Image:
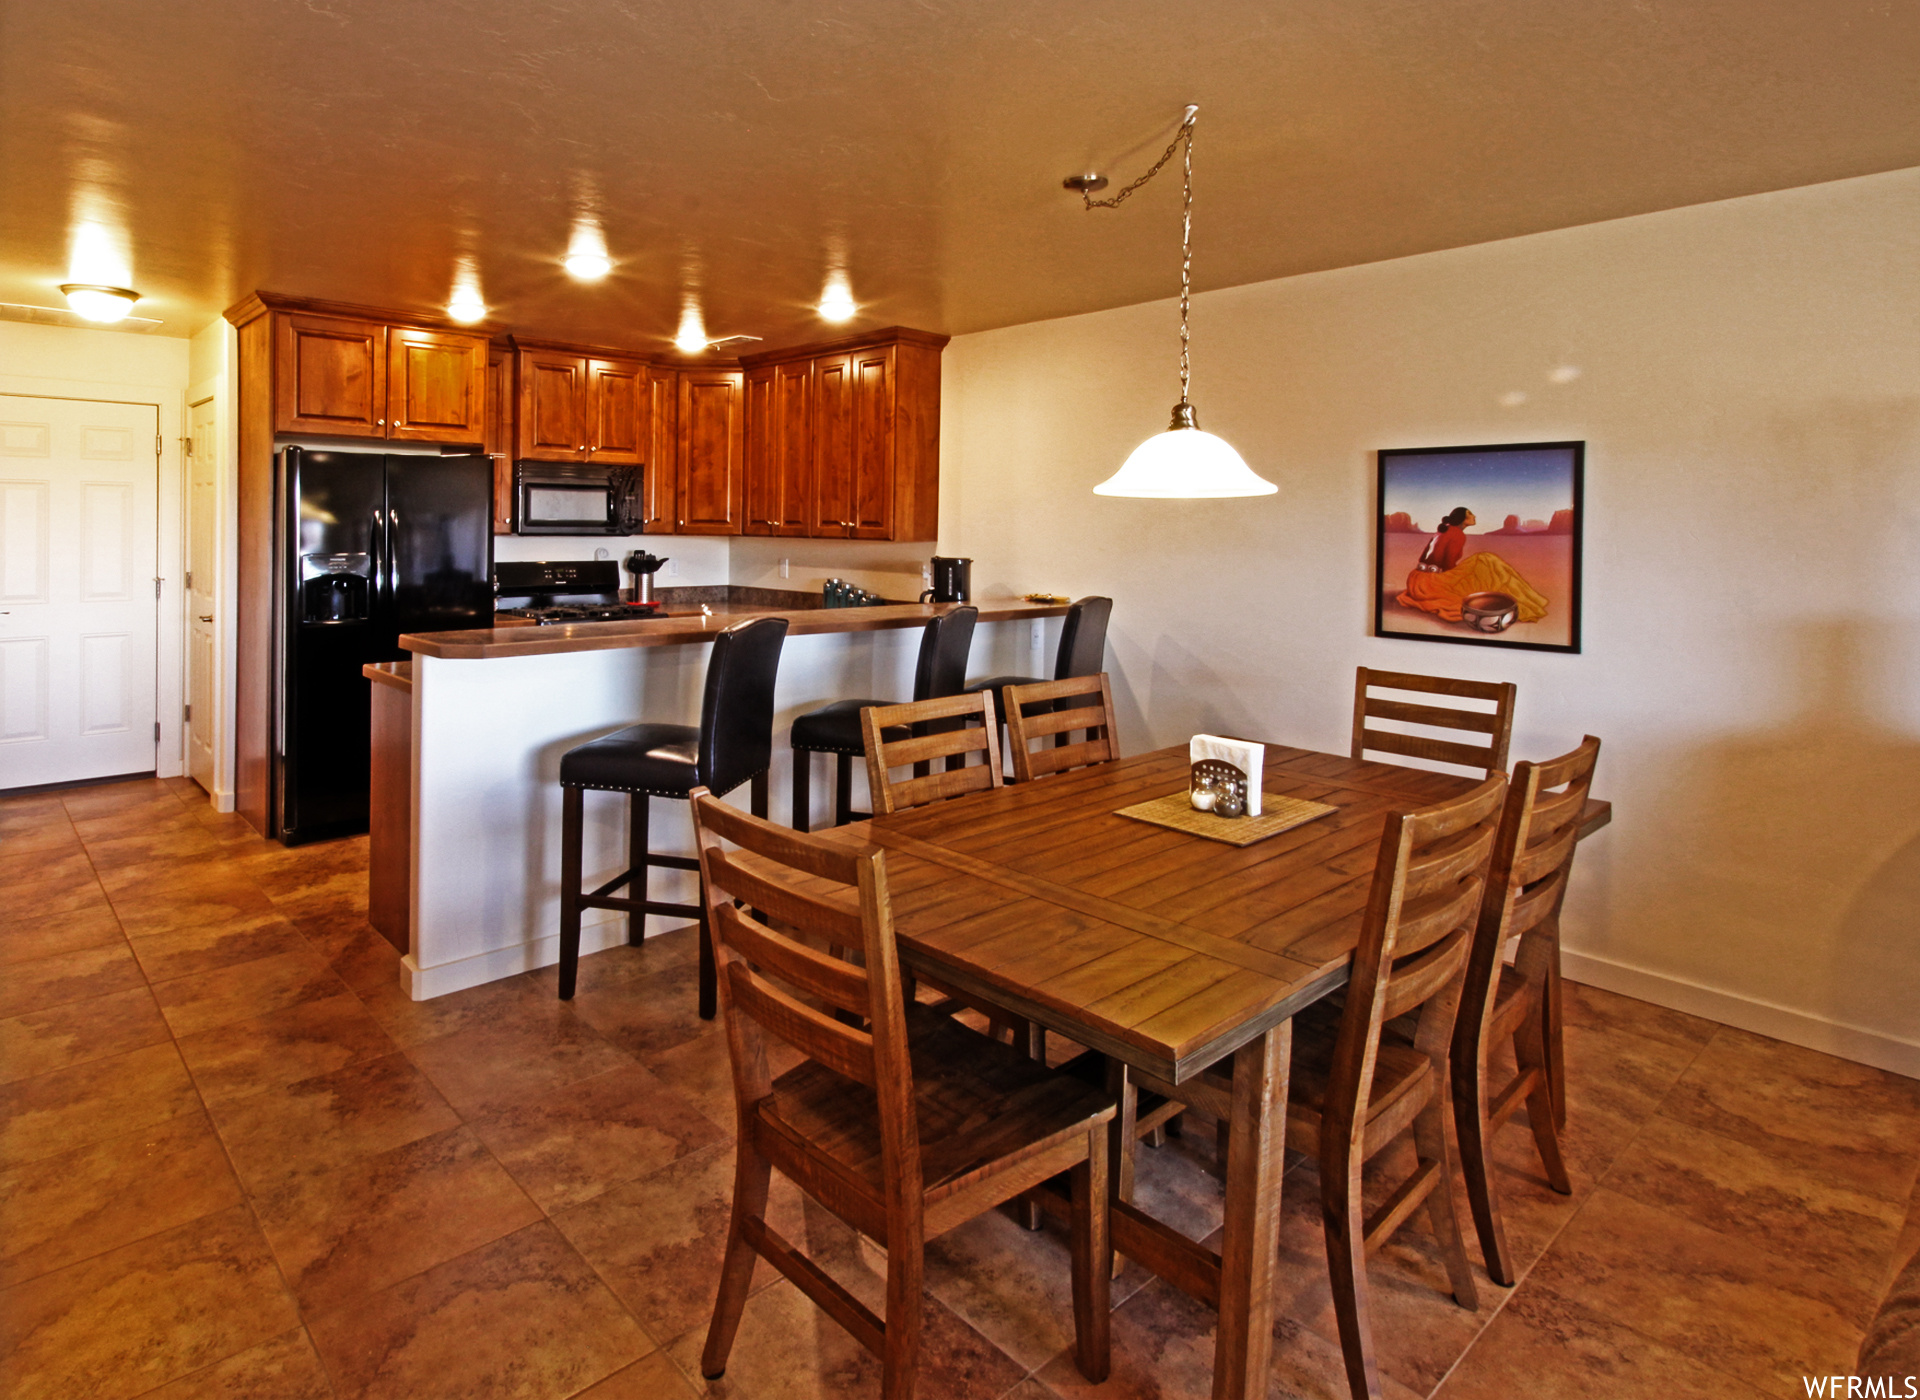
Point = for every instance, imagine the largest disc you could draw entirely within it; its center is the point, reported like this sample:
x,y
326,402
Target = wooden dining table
x,y
1166,951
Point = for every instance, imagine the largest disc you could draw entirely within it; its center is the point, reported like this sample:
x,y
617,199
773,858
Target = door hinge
x,y
189,580
186,714
159,445
156,586
156,731
187,444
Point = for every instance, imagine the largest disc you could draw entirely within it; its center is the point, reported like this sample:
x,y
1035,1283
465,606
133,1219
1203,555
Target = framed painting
x,y
1480,545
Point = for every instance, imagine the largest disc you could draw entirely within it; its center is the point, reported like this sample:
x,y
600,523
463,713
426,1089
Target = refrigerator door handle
x,y
393,552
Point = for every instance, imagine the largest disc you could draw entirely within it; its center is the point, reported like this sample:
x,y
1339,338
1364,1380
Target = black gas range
x,y
574,591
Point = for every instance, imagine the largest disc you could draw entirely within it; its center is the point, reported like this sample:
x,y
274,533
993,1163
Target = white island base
x,y
488,736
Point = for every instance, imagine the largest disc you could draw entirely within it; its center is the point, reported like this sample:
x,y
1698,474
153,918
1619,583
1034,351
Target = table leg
x,y
1250,1241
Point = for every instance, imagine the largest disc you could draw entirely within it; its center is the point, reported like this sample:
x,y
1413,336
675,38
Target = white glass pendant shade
x,y
1184,463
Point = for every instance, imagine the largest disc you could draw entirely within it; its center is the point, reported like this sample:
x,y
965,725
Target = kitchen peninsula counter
x,y
482,644
493,711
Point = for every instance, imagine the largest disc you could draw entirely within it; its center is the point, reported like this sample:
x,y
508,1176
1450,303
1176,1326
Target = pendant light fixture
x,y
1183,462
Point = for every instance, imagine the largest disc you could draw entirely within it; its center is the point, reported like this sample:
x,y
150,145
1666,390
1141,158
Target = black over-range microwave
x,y
567,498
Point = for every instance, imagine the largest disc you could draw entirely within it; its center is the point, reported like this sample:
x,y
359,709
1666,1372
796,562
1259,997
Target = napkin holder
x,y
1225,766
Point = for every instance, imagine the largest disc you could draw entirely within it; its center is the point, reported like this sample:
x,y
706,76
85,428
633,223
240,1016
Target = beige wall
x,y
1749,389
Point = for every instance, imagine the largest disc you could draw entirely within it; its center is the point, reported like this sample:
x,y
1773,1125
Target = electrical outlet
x,y
1036,636
673,568
785,568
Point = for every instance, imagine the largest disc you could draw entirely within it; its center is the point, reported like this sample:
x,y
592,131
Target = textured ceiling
x,y
736,150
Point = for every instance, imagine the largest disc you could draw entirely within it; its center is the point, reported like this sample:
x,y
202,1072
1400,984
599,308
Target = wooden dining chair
x,y
1058,709
900,1121
976,732
1356,1084
1526,885
1488,757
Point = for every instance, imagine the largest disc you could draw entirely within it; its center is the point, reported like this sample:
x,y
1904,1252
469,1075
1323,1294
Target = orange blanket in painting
x,y
1440,594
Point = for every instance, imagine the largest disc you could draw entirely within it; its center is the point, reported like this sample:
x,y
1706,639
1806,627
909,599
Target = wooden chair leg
x,y
751,1175
639,843
1343,1215
1476,1165
906,1263
803,790
709,981
757,793
842,789
1531,1051
570,818
1092,1262
1430,1138
1555,1049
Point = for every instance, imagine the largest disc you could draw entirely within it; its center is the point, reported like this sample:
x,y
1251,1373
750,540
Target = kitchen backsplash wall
x,y
891,570
693,561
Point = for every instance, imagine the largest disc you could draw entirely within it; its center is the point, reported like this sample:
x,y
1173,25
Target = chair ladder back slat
x,y
828,860
1083,703
773,954
1496,724
982,737
1418,977
839,1047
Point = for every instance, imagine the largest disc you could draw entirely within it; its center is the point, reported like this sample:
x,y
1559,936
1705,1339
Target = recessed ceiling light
x,y
588,267
836,302
466,305
691,338
99,303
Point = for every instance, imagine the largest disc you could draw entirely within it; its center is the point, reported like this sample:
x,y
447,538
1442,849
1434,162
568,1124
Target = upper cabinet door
x,y
660,478
330,376
552,423
762,491
793,447
712,479
498,442
617,412
833,507
873,445
436,385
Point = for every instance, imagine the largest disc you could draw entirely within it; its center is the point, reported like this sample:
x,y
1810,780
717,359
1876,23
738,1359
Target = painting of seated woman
x,y
1481,545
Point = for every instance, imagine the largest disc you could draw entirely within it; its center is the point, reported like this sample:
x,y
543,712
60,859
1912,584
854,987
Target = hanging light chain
x,y
1184,136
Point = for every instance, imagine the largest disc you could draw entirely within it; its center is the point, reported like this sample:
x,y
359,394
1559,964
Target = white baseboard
x,y
223,800
1855,1043
423,983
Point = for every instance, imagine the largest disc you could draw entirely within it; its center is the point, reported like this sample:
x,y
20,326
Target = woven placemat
x,y
1279,814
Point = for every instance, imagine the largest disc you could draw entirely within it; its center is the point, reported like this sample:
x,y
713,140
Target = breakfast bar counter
x,y
494,709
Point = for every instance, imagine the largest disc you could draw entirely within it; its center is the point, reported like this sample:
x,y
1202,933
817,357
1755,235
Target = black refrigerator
x,y
367,546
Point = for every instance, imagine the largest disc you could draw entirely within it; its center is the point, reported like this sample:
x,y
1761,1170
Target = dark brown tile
x,y
265,1052
523,1316
65,977
60,1210
1163,1350
54,1113
411,1022
41,830
281,1368
652,1377
568,1145
642,1003
284,871
329,1120
108,799
1542,1345
41,933
204,1000
1809,1219
359,952
211,946
787,1349
44,872
211,892
345,1233
78,1031
658,1241
701,1072
536,1047
1592,1008
139,1316
1847,1121
1727,1304
39,898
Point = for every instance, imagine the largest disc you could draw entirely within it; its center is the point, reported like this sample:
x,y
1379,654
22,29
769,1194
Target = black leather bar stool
x,y
835,728
733,745
1083,652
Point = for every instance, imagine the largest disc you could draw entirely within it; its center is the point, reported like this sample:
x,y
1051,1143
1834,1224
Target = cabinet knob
x,y
381,424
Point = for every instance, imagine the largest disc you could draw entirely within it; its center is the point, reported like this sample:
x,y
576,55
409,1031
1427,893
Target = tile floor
x,y
235,1161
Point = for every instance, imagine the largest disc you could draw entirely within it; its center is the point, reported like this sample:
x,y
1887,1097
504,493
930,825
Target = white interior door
x,y
79,495
203,475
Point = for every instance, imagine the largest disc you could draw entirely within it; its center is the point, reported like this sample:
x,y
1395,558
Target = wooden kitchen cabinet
x,y
710,459
498,442
344,376
575,406
780,442
872,425
660,477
